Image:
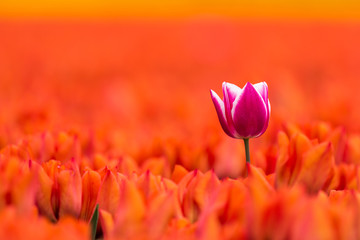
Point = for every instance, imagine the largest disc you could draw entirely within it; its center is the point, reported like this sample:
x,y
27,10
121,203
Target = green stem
x,y
247,152
94,222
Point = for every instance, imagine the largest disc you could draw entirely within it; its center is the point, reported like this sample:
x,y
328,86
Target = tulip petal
x,y
160,212
317,167
91,182
43,196
178,173
249,112
232,90
109,194
228,105
220,110
268,118
106,222
69,193
132,207
262,88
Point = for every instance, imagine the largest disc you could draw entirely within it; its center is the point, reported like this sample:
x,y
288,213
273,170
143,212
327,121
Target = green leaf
x,y
94,222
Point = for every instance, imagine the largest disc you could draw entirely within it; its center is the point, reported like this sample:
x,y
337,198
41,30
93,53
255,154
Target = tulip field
x,y
124,129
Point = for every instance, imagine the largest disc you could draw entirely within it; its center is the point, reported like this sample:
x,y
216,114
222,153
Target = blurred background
x,y
141,70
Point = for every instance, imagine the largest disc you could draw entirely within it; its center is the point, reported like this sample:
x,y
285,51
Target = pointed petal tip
x,y
215,97
265,84
248,85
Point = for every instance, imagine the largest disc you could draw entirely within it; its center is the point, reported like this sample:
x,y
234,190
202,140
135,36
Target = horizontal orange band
x,y
295,9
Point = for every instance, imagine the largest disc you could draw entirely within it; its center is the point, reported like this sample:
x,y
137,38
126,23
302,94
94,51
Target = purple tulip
x,y
244,113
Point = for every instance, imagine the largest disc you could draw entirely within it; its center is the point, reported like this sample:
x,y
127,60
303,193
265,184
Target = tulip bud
x,y
244,113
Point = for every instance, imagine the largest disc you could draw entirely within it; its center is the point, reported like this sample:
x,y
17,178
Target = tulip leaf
x,y
94,222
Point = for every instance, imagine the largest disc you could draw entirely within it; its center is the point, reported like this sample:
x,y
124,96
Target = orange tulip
x,y
60,190
18,183
91,181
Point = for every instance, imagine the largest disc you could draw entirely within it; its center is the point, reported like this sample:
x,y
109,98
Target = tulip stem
x,y
94,222
247,152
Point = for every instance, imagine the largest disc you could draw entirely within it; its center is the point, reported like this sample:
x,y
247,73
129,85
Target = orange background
x,y
145,68
108,102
